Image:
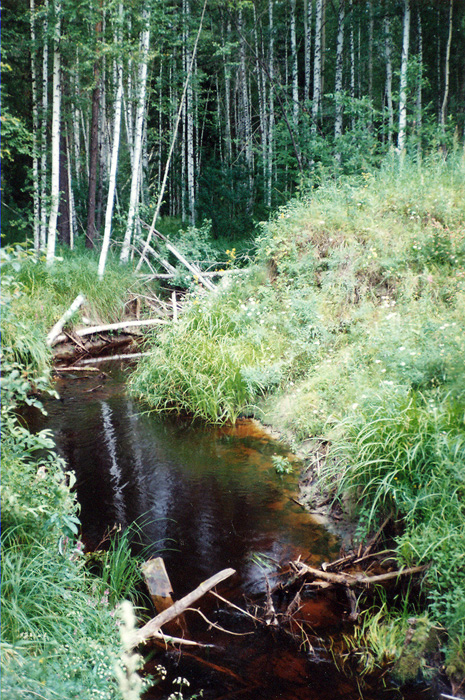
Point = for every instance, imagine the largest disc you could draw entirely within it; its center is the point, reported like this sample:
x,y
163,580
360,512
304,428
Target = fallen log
x,y
82,332
58,327
152,627
107,358
352,580
68,351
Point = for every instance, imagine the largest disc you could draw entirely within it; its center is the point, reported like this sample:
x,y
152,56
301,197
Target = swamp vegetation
x,y
345,333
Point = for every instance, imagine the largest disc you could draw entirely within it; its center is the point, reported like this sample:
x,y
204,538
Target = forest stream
x,y
207,498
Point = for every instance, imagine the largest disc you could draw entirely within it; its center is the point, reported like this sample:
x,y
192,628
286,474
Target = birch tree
x,y
388,89
56,117
446,72
43,133
295,68
114,152
140,114
339,75
308,16
35,129
317,64
403,78
94,142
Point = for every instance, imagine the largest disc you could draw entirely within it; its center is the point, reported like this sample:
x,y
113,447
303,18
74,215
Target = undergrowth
x,y
350,328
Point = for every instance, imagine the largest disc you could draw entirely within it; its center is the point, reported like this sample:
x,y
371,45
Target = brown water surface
x,y
207,498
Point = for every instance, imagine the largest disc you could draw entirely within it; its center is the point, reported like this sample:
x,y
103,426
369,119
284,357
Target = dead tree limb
x,y
58,327
351,580
153,626
82,332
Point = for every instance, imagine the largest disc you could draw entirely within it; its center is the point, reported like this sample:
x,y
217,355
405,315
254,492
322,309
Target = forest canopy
x,y
234,105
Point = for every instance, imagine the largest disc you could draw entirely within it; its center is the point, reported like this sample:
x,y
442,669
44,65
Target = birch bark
x,y
403,78
35,129
114,153
387,52
295,68
308,17
43,134
447,72
317,64
142,86
56,111
339,76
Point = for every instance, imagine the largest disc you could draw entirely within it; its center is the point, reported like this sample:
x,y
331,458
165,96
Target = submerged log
x,y
158,583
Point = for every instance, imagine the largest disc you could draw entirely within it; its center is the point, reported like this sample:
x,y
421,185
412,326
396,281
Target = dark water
x,y
207,498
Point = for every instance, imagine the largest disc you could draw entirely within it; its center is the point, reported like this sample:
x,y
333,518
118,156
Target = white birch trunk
x,y
76,125
189,126
114,155
72,211
447,72
43,135
419,98
270,105
308,17
227,95
387,50
35,128
403,78
56,110
317,64
339,76
133,197
295,69
352,62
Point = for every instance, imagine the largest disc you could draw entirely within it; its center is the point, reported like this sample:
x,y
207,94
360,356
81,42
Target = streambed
x,y
207,498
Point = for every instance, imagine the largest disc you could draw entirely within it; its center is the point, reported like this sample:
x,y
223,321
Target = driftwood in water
x,y
152,628
58,327
93,330
158,583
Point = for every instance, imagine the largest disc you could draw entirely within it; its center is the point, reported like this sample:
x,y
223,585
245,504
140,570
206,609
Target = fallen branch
x,y
110,327
352,580
232,605
152,627
58,327
107,358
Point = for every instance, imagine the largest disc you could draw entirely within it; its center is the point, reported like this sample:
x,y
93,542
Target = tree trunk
x,y
94,146
246,125
317,64
63,225
55,184
352,63
446,73
387,50
189,126
114,152
270,105
35,130
403,78
43,134
308,17
295,69
140,114
419,81
339,76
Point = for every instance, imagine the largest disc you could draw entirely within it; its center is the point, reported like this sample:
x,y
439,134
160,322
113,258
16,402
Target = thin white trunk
x,y
447,71
261,89
387,49
227,94
317,64
114,154
76,126
133,197
352,62
56,110
295,69
173,141
403,78
43,134
270,105
419,99
308,17
189,124
370,49
35,128
72,212
245,107
339,75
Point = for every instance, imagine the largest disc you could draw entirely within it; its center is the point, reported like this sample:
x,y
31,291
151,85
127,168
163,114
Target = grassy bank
x,y
60,623
349,328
